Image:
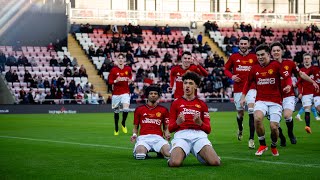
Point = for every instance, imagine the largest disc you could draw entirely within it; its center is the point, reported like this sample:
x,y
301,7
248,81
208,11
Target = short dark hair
x,y
244,38
187,53
152,87
121,55
192,76
263,47
277,44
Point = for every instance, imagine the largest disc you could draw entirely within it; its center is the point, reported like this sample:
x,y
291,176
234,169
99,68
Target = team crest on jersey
x,y
250,61
126,72
270,71
197,105
158,114
286,68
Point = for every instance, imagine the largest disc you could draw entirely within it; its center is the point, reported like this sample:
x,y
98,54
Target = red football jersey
x,y
304,86
316,78
189,109
150,119
176,77
267,82
288,67
240,65
121,87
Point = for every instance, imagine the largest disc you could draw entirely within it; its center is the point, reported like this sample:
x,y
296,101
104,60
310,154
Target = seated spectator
x,y
167,57
86,88
79,88
206,47
67,72
270,32
37,97
101,99
74,62
100,51
156,53
50,47
53,61
138,52
46,83
249,28
11,60
15,77
27,76
236,27
160,43
166,43
33,62
66,61
8,75
156,30
83,71
91,51
29,98
22,60
53,82
60,82
22,96
125,29
75,71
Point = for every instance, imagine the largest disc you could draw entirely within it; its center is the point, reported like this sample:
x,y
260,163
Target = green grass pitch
x,y
82,146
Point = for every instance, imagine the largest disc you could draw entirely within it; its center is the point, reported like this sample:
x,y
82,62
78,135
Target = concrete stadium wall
x,y
74,109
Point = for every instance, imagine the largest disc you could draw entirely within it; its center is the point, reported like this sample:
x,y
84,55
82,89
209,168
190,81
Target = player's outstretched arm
x,y
134,134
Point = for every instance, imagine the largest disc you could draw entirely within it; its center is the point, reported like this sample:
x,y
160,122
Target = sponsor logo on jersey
x,y
190,111
266,81
243,68
270,71
158,114
152,121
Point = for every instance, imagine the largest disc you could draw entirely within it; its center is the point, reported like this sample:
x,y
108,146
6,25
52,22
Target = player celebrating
x,y
151,117
120,76
189,118
306,89
288,103
188,64
266,77
240,64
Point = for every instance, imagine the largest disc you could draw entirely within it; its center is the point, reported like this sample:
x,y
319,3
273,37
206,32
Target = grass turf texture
x,y
82,146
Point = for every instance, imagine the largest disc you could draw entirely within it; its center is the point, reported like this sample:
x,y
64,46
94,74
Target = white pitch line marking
x,y
126,148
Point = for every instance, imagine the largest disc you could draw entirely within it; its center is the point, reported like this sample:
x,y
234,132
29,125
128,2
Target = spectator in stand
x,y
29,98
150,52
138,52
156,53
54,81
8,76
58,45
15,77
22,60
206,48
138,30
37,97
67,72
156,30
46,83
160,43
86,88
249,28
53,61
11,60
187,39
50,47
101,99
100,51
166,43
22,96
27,76
83,71
167,30
91,51
236,27
3,61
74,62
125,29
60,81
66,61
167,57
79,88
215,26
33,62
114,29
199,38
75,72
286,53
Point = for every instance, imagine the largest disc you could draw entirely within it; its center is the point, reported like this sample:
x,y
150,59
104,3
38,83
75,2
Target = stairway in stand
x,y
76,51
214,47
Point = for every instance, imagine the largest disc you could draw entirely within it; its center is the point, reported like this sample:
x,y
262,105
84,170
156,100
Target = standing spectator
x,y
199,38
167,30
3,61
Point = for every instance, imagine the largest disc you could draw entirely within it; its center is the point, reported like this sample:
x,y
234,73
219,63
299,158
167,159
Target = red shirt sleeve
x,y
250,80
206,127
111,77
173,126
202,71
136,116
172,76
299,85
228,66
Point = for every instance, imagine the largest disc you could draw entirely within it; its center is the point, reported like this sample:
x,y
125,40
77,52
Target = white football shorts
x,y
118,100
269,108
307,100
250,98
316,101
289,103
152,142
